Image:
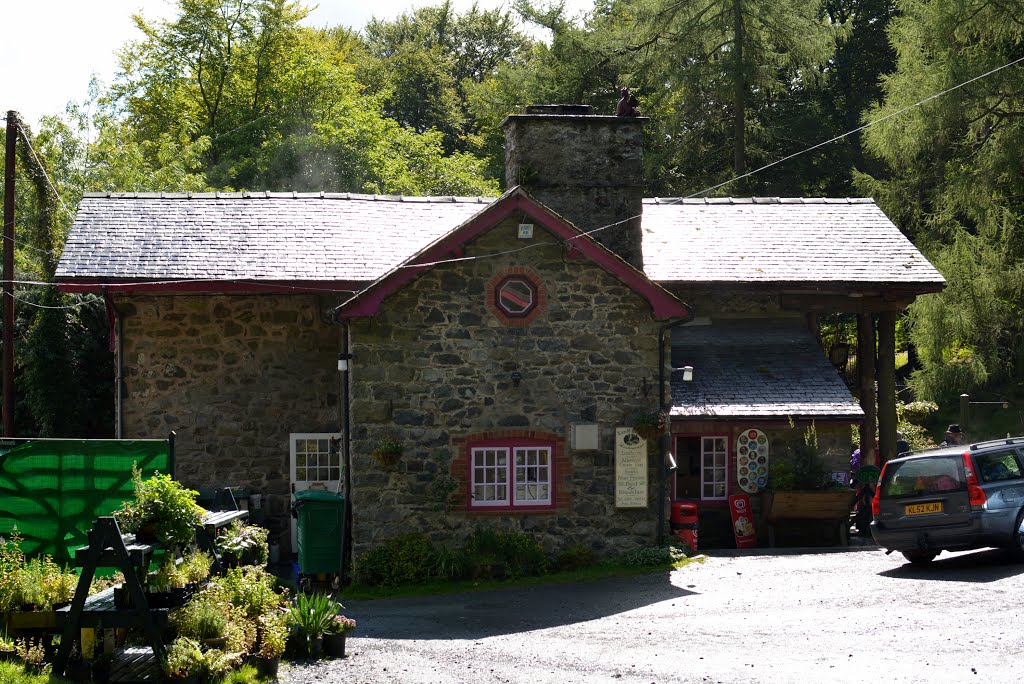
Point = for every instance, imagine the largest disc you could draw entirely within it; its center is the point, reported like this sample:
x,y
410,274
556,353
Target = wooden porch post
x,y
887,385
866,373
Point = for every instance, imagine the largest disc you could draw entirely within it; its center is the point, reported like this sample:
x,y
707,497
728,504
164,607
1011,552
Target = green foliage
x,y
32,583
195,566
403,560
251,589
312,615
651,557
185,656
164,503
953,181
575,557
273,635
517,553
204,617
443,492
243,543
799,468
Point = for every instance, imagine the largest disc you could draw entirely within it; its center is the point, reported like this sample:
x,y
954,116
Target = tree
x,y
954,181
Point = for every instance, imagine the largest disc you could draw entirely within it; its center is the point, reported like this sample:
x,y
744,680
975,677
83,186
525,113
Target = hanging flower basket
x,y
650,425
388,451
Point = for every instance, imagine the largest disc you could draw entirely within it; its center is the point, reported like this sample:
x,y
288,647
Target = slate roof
x,y
756,369
343,237
773,240
258,236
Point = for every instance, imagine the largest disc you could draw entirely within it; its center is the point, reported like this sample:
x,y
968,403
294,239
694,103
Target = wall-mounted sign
x,y
630,469
752,460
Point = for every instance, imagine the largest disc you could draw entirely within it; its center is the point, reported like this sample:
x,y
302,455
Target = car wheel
x,y
919,557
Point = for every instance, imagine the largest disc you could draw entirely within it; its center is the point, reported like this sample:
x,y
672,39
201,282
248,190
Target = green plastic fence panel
x,y
52,490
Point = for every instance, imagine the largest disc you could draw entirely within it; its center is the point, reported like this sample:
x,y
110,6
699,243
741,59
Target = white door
x,y
315,464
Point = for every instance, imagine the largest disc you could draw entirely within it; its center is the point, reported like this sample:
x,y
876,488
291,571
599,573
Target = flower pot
x,y
316,647
267,667
216,642
8,654
334,645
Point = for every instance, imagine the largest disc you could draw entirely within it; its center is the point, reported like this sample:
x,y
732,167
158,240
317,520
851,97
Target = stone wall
x,y
435,368
232,376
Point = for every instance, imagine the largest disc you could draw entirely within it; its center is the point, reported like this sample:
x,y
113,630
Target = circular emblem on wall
x,y
752,460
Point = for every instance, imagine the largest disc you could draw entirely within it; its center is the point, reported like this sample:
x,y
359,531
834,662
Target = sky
x,y
51,48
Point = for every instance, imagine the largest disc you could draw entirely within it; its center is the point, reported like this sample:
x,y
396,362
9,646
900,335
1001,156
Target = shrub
x,y
403,560
493,552
575,557
244,544
651,556
273,635
204,617
251,589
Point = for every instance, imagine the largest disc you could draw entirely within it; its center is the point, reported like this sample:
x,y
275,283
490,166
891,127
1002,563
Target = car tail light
x,y
876,506
975,493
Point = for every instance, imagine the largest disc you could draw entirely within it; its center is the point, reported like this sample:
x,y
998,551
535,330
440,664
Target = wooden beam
x,y
866,376
887,385
844,303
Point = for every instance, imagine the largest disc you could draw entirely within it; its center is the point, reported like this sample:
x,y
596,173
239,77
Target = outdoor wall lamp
x,y
343,360
687,373
517,377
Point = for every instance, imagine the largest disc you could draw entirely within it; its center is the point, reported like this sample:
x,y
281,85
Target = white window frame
x,y
719,461
515,474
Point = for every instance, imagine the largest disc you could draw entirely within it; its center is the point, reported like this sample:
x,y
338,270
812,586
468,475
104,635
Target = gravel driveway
x,y
846,616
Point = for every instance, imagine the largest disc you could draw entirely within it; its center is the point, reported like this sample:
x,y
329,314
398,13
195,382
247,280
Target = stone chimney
x,y
587,168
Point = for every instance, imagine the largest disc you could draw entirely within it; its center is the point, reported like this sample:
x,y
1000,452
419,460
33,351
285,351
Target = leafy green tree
x,y
954,181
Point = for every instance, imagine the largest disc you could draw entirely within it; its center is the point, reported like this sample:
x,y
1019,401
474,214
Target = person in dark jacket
x,y
954,435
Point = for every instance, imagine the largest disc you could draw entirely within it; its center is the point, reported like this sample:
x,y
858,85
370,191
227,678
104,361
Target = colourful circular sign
x,y
752,460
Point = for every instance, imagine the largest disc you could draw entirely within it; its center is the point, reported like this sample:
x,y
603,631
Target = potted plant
x,y
800,491
163,510
30,589
311,615
184,660
242,544
334,637
273,638
650,424
8,650
204,619
388,450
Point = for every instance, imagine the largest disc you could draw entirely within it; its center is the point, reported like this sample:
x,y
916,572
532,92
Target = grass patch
x,y
589,574
15,673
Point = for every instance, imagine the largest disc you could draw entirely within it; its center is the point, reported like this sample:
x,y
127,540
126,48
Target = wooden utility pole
x,y
8,297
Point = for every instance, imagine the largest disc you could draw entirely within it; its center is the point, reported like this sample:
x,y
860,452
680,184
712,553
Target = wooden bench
x,y
829,507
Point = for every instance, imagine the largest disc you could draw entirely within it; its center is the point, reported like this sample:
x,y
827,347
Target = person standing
x,y
954,435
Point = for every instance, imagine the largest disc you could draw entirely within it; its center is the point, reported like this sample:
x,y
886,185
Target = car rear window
x,y
998,466
924,476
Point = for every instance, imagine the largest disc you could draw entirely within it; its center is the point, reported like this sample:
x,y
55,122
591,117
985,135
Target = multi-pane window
x,y
714,455
315,460
511,475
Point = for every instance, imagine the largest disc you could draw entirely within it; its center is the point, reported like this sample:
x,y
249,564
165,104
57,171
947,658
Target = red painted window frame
x,y
511,444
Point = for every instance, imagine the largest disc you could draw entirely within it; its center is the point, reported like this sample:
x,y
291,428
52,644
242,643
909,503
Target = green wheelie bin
x,y
320,525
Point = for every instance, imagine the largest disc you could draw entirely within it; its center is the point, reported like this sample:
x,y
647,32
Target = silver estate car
x,y
951,499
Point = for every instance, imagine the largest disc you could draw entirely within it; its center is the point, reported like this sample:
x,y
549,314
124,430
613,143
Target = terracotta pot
x,y
334,645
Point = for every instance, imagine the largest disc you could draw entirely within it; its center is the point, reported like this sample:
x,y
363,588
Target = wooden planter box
x,y
829,507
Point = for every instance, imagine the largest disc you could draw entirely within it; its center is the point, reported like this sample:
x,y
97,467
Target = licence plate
x,y
924,508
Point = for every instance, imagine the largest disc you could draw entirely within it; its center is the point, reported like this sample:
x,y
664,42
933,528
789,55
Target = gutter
x,y
344,367
116,334
665,405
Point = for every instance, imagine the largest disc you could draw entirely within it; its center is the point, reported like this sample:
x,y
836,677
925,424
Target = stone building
x,y
505,344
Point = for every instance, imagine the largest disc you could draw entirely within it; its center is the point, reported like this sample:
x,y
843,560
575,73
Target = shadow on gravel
x,y
507,611
988,565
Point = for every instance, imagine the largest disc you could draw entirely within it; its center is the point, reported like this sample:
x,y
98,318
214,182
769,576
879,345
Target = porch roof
x,y
756,369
